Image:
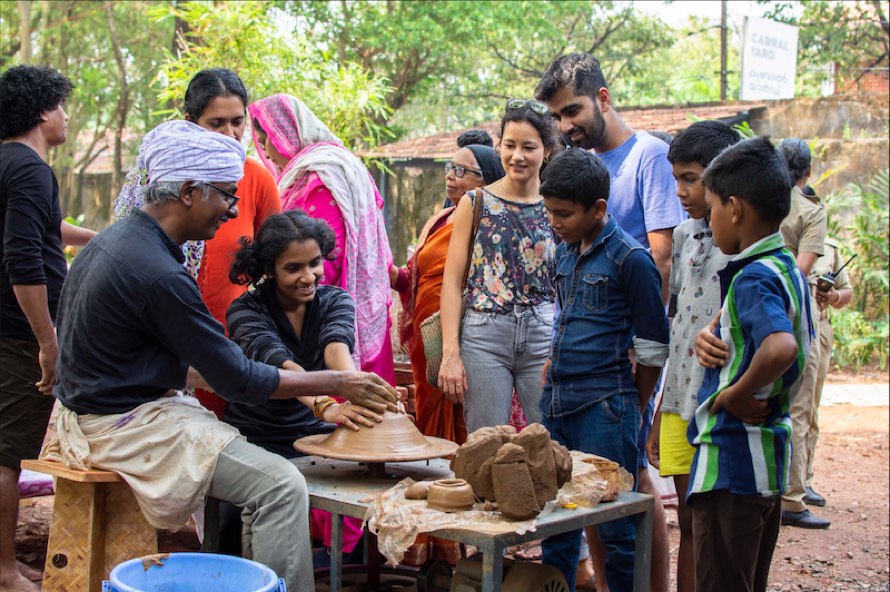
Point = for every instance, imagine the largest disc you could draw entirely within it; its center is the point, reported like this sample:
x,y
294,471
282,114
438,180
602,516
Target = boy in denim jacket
x,y
754,353
609,292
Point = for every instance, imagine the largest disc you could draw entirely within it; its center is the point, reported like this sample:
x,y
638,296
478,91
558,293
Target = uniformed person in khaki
x,y
804,233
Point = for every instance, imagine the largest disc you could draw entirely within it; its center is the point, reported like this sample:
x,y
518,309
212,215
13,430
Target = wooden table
x,y
345,488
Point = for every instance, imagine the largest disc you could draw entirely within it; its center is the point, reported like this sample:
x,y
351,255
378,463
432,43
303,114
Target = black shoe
x,y
804,520
813,499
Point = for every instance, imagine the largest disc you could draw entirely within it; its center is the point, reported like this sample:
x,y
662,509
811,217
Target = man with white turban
x,y
131,325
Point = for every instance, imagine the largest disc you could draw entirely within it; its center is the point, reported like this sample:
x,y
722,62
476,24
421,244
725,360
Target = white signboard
x,y
769,60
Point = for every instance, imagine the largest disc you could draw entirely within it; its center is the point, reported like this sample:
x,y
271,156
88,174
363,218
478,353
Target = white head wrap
x,y
182,151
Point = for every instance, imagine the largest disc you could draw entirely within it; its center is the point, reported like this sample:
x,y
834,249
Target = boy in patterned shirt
x,y
754,353
695,299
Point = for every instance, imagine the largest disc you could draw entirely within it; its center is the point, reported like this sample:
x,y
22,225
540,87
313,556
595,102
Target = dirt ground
x,y
852,472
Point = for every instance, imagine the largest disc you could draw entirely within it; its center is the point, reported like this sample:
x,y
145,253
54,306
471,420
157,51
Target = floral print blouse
x,y
513,257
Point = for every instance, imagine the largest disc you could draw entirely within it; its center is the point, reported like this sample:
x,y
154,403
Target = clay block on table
x,y
535,441
513,488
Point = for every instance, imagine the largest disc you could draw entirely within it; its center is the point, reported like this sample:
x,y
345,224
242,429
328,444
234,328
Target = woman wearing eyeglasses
x,y
501,342
318,175
216,99
420,282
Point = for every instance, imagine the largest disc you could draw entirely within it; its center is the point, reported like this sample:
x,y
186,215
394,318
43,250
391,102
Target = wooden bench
x,y
96,524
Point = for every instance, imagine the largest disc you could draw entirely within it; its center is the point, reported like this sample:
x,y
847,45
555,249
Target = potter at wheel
x,y
395,439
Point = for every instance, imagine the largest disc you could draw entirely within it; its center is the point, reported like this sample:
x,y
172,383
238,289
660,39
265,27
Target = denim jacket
x,y
610,301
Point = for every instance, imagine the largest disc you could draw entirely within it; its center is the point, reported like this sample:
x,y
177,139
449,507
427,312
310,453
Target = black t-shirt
x,y
257,323
30,235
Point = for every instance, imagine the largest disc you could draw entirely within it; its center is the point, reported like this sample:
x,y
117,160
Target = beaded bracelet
x,y
321,403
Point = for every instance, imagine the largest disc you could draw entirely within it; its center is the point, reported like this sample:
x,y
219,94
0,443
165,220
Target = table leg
x,y
493,568
336,569
643,548
372,553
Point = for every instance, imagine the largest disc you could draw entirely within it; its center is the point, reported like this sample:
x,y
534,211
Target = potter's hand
x,y
368,390
710,350
350,415
453,378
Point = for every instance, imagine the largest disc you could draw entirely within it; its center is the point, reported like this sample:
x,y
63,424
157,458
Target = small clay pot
x,y
450,495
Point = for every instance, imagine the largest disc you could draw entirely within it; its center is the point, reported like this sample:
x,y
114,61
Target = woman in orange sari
x,y
419,284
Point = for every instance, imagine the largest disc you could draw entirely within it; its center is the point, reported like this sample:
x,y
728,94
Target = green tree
x,y
453,63
854,34
250,38
108,50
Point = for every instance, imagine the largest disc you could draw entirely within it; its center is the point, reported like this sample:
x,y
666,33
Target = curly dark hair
x,y
256,258
25,93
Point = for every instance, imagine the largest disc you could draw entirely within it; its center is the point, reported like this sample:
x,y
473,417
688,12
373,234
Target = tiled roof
x,y
671,120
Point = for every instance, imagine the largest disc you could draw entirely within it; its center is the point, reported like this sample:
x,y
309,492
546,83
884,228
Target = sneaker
x,y
804,519
813,499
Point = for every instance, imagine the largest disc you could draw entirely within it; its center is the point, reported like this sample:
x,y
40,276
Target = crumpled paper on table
x,y
397,521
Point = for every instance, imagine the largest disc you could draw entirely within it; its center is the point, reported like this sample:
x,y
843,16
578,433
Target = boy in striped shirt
x,y
754,353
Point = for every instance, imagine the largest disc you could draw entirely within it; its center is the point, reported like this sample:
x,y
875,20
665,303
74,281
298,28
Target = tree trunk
x,y
25,31
123,103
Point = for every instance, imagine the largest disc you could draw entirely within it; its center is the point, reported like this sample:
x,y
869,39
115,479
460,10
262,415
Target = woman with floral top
x,y
502,340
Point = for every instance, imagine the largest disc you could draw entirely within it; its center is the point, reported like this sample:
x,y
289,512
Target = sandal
x,y
529,552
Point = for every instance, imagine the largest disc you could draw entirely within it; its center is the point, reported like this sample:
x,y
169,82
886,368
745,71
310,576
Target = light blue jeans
x,y
503,352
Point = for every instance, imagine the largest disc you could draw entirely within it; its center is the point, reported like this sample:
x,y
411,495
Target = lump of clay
x,y
562,458
513,488
480,446
418,490
535,441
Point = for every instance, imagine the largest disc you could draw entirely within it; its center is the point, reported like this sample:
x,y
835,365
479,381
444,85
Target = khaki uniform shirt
x,y
805,226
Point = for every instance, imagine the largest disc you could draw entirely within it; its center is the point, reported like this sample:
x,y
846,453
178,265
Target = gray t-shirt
x,y
695,261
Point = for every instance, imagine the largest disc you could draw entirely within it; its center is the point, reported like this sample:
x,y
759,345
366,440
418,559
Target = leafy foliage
x,y
249,37
854,34
859,219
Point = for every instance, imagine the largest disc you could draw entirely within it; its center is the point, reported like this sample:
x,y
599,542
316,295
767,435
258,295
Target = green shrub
x,y
859,219
858,341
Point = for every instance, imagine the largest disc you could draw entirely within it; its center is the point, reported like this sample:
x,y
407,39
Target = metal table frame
x,y
340,488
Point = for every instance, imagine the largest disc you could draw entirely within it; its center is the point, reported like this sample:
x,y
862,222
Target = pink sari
x,y
329,182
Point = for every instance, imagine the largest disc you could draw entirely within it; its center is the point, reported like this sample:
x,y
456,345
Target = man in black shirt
x,y
131,325
33,268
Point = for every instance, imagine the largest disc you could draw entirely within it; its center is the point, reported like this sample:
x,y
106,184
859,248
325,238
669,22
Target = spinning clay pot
x,y
394,439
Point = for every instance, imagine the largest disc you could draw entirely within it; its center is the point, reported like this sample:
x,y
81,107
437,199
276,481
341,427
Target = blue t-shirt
x,y
643,193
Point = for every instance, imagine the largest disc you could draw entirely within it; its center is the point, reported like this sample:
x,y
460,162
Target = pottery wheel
x,y
395,439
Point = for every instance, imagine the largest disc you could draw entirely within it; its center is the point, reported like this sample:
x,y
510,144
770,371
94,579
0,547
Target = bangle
x,y
321,403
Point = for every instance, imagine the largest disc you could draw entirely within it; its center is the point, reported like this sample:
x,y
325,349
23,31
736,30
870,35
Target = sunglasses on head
x,y
231,198
539,108
460,171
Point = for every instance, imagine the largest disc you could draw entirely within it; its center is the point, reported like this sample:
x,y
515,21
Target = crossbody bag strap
x,y
477,216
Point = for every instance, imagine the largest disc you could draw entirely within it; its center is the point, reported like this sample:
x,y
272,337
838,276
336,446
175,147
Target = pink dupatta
x,y
318,158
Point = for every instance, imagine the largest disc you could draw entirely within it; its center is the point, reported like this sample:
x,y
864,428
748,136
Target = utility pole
x,y
722,51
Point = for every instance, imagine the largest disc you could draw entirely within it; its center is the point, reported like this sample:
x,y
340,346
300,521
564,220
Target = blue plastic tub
x,y
192,572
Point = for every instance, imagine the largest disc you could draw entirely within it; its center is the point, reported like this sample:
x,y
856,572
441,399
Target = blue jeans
x,y
503,352
608,428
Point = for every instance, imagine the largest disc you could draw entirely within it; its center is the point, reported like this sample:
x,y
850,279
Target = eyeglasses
x,y
460,171
539,108
231,198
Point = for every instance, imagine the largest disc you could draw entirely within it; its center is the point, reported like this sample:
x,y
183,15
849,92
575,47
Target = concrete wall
x,y
852,133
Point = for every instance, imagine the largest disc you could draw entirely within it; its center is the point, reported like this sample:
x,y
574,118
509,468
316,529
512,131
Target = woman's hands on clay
x,y
349,415
453,378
